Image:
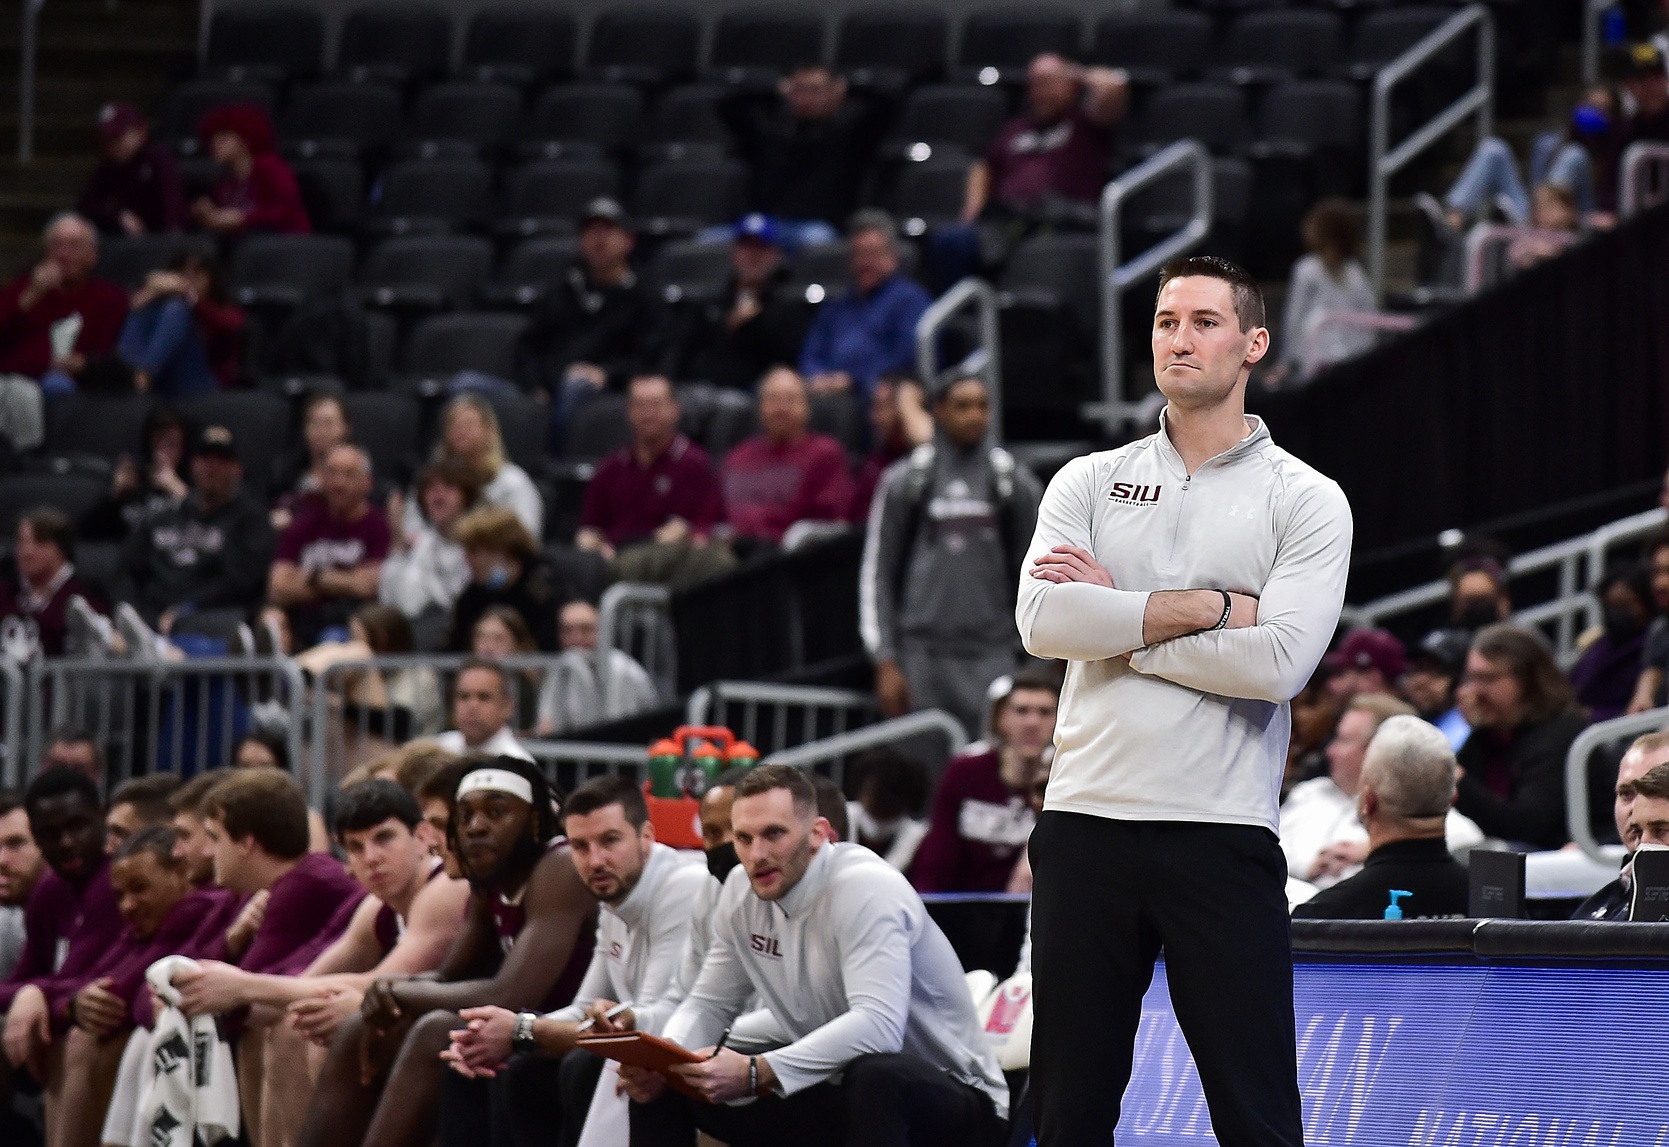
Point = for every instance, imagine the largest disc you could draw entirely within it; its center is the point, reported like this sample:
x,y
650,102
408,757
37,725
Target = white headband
x,y
496,781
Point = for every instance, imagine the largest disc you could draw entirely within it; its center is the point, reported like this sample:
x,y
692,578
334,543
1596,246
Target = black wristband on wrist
x,y
753,1075
1228,608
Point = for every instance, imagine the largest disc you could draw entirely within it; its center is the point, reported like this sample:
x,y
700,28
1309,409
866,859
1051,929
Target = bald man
x,y
329,560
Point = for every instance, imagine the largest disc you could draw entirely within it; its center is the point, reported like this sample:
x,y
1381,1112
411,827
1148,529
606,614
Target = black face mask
x,y
1477,614
1621,623
721,859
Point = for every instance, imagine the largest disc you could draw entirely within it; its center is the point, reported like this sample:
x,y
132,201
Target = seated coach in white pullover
x,y
884,1046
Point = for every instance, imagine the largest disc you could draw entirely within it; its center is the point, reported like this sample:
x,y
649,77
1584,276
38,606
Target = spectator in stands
x,y
596,326
1649,691
329,562
58,319
529,903
1315,714
1408,784
1478,593
1366,661
300,476
1434,670
575,693
502,633
1327,281
137,493
506,568
72,747
645,894
136,187
1523,719
211,551
136,804
1605,677
256,191
982,811
182,335
731,340
34,604
808,145
871,329
401,702
785,474
886,817
21,867
945,544
867,917
1646,82
1321,835
899,422
651,507
1643,756
426,568
483,708
470,435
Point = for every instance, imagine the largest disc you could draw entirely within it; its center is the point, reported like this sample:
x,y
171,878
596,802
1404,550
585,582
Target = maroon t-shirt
x,y
768,487
68,931
42,614
1066,159
868,478
509,917
628,502
270,198
303,906
978,830
318,541
25,336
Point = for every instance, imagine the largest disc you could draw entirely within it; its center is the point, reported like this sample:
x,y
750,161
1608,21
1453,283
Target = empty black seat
x,y
1307,115
72,493
481,116
126,259
1214,114
1384,35
523,423
1267,47
287,270
1155,47
764,42
521,46
548,195
686,119
258,420
388,424
529,270
443,345
962,117
101,426
682,194
1164,207
1049,313
690,269
269,44
356,115
598,428
425,272
609,116
333,191
646,46
930,192
893,46
430,196
395,43
999,44
188,103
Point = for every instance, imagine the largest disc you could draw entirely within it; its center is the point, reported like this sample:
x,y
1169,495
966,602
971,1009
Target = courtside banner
x,y
1441,1055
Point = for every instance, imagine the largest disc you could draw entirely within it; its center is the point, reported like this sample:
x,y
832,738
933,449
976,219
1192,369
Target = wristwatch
x,y
521,1035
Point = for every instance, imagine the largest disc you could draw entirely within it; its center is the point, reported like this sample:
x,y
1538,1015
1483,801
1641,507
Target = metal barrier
x,y
164,716
1374,321
1488,247
637,619
834,751
1580,563
776,717
13,767
985,362
1593,16
1116,409
1578,814
1643,178
1384,161
571,763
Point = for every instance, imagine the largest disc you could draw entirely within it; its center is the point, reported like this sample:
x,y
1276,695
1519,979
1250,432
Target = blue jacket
x,y
866,336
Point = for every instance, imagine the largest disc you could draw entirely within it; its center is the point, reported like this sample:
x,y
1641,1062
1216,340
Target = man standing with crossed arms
x,y
1193,580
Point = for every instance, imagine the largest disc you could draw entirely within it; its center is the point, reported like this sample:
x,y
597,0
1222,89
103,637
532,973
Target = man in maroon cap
x,y
136,188
1367,661
257,191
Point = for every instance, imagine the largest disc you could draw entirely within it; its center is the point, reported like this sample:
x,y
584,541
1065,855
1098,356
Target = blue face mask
x,y
498,577
1590,120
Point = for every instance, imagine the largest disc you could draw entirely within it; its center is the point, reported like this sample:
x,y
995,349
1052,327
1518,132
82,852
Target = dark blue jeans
x,y
162,339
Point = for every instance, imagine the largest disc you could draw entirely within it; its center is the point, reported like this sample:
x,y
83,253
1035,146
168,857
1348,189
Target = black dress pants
x,y
1107,896
533,1101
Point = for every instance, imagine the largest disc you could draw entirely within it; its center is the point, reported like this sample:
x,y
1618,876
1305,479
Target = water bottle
x,y
706,763
665,759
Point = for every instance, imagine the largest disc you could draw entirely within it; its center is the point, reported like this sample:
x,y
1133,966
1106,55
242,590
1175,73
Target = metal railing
x,y
13,719
1580,563
776,717
1578,814
1374,323
572,763
1116,409
833,751
1593,17
637,619
1488,247
1643,177
983,362
1477,101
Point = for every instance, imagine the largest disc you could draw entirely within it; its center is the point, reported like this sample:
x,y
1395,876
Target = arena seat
x,y
528,270
519,46
1007,39
1155,47
1268,47
609,116
432,196
650,47
74,494
893,46
680,195
388,425
419,273
483,116
1213,113
286,270
963,117
333,191
395,43
99,426
764,43
442,345
272,45
360,116
548,195
187,104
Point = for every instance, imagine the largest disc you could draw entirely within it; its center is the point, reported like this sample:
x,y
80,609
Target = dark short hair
x,y
1654,784
764,778
492,667
58,781
594,796
1657,540
1037,680
10,801
1247,295
831,806
1334,226
369,803
546,817
157,839
274,743
188,798
265,804
76,735
901,783
148,795
52,527
388,630
442,784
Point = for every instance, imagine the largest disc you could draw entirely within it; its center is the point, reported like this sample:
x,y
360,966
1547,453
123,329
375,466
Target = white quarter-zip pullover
x,y
1193,729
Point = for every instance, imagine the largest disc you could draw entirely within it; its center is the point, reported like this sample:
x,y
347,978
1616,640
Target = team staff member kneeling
x,y
866,988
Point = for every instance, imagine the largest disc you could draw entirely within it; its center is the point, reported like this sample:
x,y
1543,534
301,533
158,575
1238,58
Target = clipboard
x,y
640,1049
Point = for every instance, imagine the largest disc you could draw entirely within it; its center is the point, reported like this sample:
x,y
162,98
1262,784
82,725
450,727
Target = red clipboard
x,y
643,1050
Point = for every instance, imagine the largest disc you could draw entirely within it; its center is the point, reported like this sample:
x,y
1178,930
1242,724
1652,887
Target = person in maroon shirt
x,y
136,188
982,813
257,190
651,507
183,337
530,915
329,561
33,605
60,289
786,474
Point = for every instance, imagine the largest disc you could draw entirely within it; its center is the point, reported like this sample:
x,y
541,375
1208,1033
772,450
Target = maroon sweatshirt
x,y
979,828
303,906
69,930
25,336
768,488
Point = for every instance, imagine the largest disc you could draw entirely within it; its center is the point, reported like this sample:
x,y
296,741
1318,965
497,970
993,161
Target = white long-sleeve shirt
x,y
1196,728
850,964
641,940
1318,813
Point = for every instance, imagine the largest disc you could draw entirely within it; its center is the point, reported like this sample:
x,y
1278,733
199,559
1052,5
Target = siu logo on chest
x,y
1133,494
765,945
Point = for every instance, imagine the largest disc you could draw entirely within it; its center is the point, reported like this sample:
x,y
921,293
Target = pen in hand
x,y
724,1037
616,1010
